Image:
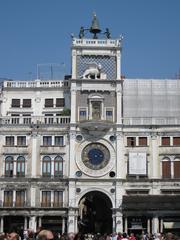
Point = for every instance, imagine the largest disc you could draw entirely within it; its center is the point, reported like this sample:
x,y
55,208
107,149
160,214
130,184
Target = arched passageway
x,y
95,213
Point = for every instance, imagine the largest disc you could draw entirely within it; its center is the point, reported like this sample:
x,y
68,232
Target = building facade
x,y
95,152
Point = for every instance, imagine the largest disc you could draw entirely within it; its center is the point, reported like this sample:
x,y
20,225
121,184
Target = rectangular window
x,y
20,198
49,102
82,115
165,141
176,141
131,141
8,198
59,141
21,141
109,115
142,141
46,199
15,103
26,103
58,198
47,141
60,102
9,141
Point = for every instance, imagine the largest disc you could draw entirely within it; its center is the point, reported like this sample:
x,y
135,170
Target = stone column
x,y
120,162
40,222
14,168
119,105
71,221
33,196
114,222
2,224
148,225
33,223
14,198
25,223
155,225
154,151
161,225
34,155
125,224
73,103
119,222
63,224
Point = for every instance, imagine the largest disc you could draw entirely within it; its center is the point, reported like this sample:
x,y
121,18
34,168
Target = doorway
x,y
95,213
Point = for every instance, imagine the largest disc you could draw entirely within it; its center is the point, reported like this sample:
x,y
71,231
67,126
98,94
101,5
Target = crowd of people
x,y
43,234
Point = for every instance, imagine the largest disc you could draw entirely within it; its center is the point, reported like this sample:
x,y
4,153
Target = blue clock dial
x,y
95,156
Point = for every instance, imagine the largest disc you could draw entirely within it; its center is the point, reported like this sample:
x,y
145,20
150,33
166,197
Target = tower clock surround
x,y
95,159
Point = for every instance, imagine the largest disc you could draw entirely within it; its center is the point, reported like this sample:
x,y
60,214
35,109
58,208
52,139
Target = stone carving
x,y
92,72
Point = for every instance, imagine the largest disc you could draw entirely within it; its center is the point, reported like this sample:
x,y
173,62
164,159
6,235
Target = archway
x,y
95,213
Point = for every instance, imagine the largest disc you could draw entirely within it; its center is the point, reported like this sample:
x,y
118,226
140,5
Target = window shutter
x,y
165,141
49,102
166,169
15,103
60,102
176,169
27,103
176,141
142,141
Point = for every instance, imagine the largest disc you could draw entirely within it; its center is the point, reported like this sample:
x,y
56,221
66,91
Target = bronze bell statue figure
x,y
95,27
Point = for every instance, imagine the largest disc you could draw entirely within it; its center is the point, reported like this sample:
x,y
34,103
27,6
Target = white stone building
x,y
95,152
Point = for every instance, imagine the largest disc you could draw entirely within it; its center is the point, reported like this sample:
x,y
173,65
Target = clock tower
x,y
95,130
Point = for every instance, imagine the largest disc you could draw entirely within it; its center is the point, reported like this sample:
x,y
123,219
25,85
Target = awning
x,y
170,225
151,203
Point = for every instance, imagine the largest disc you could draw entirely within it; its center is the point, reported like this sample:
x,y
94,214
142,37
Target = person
x,y
132,237
13,236
45,235
124,236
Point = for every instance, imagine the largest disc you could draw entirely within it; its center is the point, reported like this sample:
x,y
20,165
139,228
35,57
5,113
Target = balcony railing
x,y
35,120
151,121
36,84
53,205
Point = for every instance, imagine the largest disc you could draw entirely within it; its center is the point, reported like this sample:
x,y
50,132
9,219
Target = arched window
x,y
177,168
20,168
58,166
46,166
9,162
166,168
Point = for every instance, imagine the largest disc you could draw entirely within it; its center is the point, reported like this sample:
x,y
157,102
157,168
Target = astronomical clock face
x,y
95,156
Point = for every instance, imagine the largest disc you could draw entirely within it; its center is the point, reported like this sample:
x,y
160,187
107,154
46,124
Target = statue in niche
x,y
96,110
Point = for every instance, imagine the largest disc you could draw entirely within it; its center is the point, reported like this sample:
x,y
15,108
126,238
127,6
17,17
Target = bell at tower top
x,y
94,29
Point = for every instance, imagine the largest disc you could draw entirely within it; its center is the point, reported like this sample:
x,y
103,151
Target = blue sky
x,y
38,32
